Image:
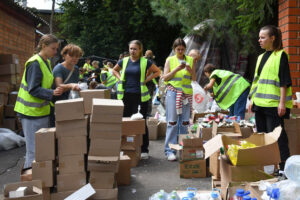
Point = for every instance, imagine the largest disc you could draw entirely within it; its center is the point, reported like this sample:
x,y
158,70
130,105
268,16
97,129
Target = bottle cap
x,y
214,195
246,198
240,192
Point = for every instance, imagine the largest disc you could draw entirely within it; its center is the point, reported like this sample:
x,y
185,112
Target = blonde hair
x,y
140,44
46,40
195,54
72,50
95,62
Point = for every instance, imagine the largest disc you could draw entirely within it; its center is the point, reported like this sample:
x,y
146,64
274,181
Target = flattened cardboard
x,y
131,142
9,111
45,144
103,164
107,110
43,171
133,127
102,180
30,185
104,147
105,130
105,194
69,109
76,145
77,127
267,148
70,182
193,169
88,96
71,164
123,175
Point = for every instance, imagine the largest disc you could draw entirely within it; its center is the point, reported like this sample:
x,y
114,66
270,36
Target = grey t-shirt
x,y
62,72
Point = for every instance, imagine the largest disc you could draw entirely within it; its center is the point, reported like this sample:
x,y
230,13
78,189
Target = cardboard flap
x,y
29,184
175,146
213,145
103,158
237,128
193,142
276,133
214,129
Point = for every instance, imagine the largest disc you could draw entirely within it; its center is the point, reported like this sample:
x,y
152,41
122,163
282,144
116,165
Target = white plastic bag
x,y
137,115
200,98
74,94
10,140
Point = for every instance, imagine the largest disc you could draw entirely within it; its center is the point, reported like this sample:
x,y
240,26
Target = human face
x,y
265,41
180,50
207,74
71,60
50,50
134,50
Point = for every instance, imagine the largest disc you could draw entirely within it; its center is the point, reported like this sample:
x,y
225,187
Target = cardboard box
x,y
105,130
9,111
10,123
131,142
162,128
32,186
76,145
76,127
135,156
9,78
214,164
43,171
9,59
123,175
103,163
105,194
88,96
107,111
45,144
60,195
71,164
7,69
292,128
5,87
152,124
26,175
267,148
70,182
193,169
1,114
133,127
69,109
102,180
3,99
12,97
104,147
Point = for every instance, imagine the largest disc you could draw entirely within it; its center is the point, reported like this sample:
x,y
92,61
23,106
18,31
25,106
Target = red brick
x,y
294,82
293,66
287,19
295,74
289,35
290,27
294,58
291,43
296,89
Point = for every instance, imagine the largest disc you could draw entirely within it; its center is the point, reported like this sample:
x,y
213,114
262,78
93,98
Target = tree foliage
x,y
238,19
105,27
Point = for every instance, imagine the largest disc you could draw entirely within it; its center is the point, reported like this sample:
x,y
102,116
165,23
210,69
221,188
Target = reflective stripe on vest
x,y
265,90
27,104
145,95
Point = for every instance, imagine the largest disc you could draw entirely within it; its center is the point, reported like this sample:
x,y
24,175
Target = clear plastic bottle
x,y
246,198
161,195
214,196
173,196
191,194
292,168
239,194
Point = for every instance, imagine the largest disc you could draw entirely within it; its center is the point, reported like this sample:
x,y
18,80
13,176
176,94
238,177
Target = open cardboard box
x,y
103,163
266,152
34,190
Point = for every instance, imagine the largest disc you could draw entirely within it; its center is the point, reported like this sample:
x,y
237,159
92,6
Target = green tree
x,y
105,27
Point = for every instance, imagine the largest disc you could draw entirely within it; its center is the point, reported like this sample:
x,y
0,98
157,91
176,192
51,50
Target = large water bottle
x,y
161,195
292,168
191,194
246,198
240,193
214,196
173,196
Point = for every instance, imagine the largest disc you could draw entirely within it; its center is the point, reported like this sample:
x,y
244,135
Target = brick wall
x,y
289,23
16,36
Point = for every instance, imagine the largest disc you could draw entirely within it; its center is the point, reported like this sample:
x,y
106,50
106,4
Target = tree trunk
x,y
51,18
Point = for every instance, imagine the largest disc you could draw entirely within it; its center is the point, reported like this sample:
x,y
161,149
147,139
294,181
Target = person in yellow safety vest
x,y
105,64
132,85
230,90
107,78
35,93
271,92
96,71
87,67
179,72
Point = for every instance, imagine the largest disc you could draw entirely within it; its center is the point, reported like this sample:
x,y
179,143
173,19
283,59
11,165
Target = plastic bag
x,y
74,94
155,100
10,140
137,115
200,98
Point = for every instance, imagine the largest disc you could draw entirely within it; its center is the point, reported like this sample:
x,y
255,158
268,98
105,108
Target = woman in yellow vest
x,y
132,85
35,93
271,93
178,74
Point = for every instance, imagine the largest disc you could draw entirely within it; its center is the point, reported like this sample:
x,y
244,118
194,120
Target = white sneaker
x,y
144,156
171,157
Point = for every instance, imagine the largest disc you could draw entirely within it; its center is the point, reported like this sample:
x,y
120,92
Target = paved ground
x,y
149,177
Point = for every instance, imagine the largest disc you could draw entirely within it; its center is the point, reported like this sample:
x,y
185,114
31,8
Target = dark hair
x,y
209,68
274,31
88,58
105,62
125,54
139,43
72,50
178,42
46,40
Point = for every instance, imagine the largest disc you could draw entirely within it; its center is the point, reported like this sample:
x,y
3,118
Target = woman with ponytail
x,y
271,92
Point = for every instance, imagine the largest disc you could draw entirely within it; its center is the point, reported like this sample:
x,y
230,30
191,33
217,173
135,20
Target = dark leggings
x,y
131,102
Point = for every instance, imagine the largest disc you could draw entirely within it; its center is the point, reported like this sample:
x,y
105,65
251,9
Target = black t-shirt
x,y
284,78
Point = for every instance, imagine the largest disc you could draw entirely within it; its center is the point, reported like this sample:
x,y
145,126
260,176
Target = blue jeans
x,y
239,107
176,124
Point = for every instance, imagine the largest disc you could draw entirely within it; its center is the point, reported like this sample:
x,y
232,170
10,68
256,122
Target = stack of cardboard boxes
x,y
105,143
132,138
10,69
71,133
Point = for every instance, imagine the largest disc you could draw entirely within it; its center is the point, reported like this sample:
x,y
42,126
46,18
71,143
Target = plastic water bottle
x,y
292,168
240,193
173,196
246,198
214,196
191,193
161,195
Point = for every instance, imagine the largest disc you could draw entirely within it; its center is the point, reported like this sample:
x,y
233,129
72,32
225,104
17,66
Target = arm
x,y
170,74
281,106
116,71
154,71
210,84
66,87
